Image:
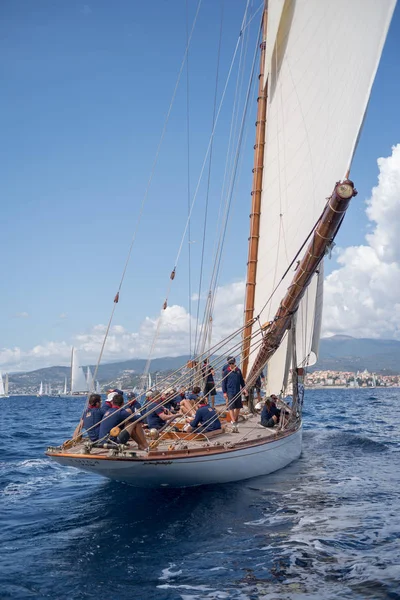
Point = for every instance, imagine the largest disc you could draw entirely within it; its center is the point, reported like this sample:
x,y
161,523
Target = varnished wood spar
x,y
322,238
256,203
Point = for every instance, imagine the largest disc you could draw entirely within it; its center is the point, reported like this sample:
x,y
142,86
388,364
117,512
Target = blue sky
x,y
86,88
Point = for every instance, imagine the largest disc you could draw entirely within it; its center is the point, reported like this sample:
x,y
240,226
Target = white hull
x,y
234,465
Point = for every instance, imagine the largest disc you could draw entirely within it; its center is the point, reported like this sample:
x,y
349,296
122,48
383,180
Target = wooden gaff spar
x,y
322,238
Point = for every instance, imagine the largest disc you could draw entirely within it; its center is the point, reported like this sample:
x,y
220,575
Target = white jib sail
x,y
78,380
321,63
6,385
1,385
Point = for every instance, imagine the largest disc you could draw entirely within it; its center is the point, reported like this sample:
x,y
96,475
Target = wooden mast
x,y
256,200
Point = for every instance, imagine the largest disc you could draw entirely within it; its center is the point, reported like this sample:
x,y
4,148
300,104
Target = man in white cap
x,y
110,396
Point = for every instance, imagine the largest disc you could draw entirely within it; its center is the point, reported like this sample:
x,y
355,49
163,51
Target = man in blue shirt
x,y
226,365
270,413
205,419
133,402
157,414
232,386
92,416
124,420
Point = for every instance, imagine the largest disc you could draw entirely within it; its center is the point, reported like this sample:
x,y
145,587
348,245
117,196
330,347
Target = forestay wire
x,y
146,193
172,276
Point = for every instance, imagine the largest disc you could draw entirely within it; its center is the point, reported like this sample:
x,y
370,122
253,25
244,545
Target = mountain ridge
x,y
337,353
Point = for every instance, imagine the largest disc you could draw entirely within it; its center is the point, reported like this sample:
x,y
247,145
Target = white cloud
x,y
362,297
86,10
21,315
172,336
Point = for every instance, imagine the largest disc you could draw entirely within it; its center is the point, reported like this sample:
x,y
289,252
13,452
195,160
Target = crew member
x,y
208,380
93,415
122,418
232,386
270,413
157,415
206,419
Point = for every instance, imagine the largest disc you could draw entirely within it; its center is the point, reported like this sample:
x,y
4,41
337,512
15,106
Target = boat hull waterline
x,y
235,465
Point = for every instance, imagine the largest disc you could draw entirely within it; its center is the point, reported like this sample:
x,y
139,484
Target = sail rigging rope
x,y
209,176
188,182
208,309
142,417
215,348
145,196
199,182
218,260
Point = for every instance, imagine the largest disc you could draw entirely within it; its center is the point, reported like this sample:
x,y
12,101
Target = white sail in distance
x,y
2,392
40,392
78,380
321,58
6,385
65,386
89,380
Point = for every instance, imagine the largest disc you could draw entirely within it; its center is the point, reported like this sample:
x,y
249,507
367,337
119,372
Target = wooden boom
x,y
324,233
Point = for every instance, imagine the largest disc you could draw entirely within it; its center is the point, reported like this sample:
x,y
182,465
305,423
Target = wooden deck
x,y
176,444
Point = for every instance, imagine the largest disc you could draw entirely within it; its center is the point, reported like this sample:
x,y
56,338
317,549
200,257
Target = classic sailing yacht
x,y
317,66
79,384
90,381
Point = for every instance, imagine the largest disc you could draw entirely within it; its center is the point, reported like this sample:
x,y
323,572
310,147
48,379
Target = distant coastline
x,y
345,387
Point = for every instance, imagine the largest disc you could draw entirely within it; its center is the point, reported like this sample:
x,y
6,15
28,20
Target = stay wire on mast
x,y
146,193
197,187
218,259
188,183
209,176
217,242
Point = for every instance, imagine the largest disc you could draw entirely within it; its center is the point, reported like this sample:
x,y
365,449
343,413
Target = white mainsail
x,y
65,387
321,60
2,391
6,385
89,380
78,380
98,388
40,392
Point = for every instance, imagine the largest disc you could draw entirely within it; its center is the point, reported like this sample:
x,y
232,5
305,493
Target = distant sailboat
x,y
89,380
65,387
6,386
3,392
78,379
40,392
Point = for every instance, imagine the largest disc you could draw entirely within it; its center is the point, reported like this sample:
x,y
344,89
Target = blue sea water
x,y
326,527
